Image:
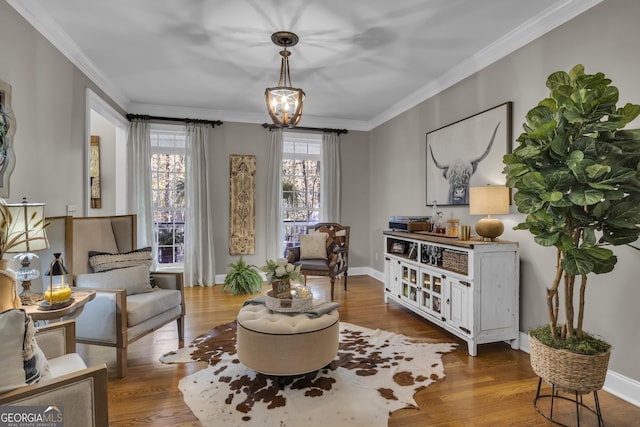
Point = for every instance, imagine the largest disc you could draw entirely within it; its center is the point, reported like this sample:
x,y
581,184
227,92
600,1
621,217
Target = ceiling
x,y
360,62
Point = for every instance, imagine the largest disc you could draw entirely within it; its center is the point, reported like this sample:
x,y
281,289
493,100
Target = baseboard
x,y
353,271
620,386
524,342
625,388
364,271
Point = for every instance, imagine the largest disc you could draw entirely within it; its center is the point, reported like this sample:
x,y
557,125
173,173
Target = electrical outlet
x,y
71,209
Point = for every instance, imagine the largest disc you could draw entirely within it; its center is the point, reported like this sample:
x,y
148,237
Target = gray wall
x,y
241,138
49,102
383,170
49,95
604,39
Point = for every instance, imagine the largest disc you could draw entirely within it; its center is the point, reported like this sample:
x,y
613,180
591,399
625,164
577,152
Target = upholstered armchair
x,y
127,305
81,392
323,251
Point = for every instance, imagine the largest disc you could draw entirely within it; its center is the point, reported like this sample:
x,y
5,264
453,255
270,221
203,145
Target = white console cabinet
x,y
468,287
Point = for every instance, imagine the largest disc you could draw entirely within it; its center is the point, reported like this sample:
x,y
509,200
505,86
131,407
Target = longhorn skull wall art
x,y
467,153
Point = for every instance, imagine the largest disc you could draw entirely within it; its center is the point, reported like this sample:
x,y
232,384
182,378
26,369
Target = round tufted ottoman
x,y
284,344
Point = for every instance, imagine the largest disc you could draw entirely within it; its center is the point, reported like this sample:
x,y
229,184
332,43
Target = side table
x,y
71,311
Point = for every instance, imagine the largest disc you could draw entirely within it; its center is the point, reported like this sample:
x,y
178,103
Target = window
x,y
167,177
301,171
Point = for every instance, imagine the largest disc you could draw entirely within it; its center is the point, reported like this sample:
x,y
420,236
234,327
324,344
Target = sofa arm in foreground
x,y
81,393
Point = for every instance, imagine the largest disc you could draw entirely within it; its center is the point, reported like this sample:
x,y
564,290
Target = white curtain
x,y
331,182
199,256
275,230
140,199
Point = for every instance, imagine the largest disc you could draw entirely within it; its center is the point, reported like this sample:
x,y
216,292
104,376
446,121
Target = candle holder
x,y
57,295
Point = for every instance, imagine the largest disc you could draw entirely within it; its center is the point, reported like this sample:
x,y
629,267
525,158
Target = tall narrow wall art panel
x,y
242,204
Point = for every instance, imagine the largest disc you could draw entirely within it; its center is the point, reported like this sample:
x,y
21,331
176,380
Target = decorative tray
x,y
288,305
44,305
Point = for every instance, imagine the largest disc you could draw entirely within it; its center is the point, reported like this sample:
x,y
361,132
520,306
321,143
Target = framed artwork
x,y
242,204
94,172
467,153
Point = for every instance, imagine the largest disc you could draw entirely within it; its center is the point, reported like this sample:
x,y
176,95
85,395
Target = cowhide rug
x,y
375,373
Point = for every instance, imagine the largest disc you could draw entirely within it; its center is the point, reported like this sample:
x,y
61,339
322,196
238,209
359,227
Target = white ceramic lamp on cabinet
x,y
489,200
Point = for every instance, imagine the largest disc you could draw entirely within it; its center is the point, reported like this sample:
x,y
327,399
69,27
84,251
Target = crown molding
x,y
546,21
536,27
42,22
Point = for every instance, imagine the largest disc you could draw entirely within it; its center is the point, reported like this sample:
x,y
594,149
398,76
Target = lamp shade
x,y
26,227
489,200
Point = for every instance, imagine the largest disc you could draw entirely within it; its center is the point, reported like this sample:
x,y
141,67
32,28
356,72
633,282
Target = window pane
x,y
300,186
167,176
287,147
315,149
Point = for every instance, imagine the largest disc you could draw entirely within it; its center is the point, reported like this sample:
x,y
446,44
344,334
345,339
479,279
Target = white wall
x,y
106,131
111,127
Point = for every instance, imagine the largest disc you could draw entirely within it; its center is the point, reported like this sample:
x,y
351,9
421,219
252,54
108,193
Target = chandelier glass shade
x,y
284,102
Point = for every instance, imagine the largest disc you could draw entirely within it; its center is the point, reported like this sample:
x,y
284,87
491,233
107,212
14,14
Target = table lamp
x,y
489,200
27,229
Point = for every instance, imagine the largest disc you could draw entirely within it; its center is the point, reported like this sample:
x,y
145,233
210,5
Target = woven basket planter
x,y
570,372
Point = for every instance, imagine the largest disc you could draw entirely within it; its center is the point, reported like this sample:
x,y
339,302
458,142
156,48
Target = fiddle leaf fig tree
x,y
577,175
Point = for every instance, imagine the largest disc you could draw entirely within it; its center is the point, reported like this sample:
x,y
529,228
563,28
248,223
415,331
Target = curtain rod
x,y
173,119
338,131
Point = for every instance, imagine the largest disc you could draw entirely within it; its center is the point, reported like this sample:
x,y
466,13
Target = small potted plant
x,y
281,270
243,278
577,175
282,296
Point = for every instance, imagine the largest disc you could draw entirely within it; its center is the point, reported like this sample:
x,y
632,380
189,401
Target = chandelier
x,y
284,102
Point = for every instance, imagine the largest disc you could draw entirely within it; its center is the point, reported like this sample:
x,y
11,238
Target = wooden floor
x,y
496,388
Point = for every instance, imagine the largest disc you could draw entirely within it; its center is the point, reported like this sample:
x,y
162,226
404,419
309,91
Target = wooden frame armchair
x,y
82,393
335,263
115,318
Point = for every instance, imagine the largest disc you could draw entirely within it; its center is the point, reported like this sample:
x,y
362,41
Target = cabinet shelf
x,y
469,288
